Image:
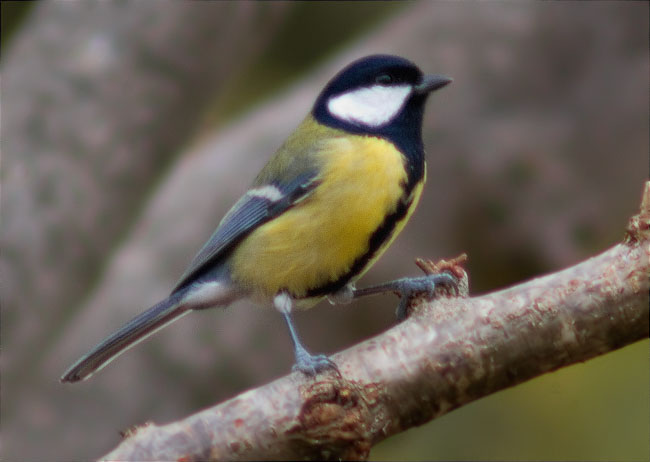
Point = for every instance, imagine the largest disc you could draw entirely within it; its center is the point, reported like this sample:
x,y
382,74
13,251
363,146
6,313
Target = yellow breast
x,y
318,240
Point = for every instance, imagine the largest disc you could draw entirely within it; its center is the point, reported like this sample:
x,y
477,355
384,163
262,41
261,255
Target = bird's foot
x,y
408,288
310,364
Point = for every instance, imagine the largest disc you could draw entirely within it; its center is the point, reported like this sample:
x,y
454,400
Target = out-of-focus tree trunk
x,y
97,97
133,78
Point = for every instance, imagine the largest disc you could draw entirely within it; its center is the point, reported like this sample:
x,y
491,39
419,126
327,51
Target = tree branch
x,y
448,353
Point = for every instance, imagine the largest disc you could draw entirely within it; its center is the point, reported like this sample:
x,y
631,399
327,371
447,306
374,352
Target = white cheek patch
x,y
371,106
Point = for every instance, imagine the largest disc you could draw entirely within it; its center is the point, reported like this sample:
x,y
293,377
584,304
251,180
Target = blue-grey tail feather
x,y
133,332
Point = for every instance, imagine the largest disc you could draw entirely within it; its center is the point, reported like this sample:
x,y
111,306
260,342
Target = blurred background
x,y
129,128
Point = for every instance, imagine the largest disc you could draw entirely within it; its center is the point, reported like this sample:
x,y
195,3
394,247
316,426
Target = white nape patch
x,y
371,106
209,294
268,192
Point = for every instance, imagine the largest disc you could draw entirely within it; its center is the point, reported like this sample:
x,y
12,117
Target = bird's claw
x,y
310,364
409,287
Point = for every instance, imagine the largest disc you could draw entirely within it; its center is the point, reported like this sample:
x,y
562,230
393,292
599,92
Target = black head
x,y
381,95
375,93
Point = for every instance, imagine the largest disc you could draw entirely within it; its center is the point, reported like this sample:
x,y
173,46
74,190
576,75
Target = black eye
x,y
384,79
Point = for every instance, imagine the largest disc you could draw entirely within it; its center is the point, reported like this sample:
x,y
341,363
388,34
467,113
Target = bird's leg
x,y
342,296
408,287
306,362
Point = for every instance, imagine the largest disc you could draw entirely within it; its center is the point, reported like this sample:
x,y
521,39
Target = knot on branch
x,y
638,228
336,420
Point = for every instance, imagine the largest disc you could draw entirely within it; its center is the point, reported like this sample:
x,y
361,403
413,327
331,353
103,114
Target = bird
x,y
323,209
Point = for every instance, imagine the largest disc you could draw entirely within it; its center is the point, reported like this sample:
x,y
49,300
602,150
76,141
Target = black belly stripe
x,y
381,234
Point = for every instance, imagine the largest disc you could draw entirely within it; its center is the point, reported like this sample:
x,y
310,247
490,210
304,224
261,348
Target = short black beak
x,y
430,83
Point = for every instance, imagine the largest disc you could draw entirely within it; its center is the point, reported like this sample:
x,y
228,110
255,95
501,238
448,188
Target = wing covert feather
x,y
256,207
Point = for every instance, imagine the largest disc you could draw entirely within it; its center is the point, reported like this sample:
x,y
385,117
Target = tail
x,y
138,329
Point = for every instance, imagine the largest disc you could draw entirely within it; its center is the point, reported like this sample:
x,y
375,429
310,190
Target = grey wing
x,y
256,207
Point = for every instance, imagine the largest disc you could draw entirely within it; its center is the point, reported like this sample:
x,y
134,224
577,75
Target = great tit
x,y
318,215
